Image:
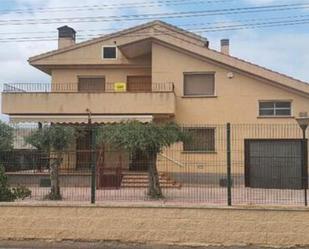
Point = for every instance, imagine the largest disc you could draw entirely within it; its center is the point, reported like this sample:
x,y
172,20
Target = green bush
x,y
21,192
8,194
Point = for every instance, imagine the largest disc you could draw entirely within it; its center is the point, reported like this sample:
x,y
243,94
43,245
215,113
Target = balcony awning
x,y
78,119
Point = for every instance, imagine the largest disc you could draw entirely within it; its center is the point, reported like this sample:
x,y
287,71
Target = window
x,y
109,52
275,108
91,84
202,84
200,139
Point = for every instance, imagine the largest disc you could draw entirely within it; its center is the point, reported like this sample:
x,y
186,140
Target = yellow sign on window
x,y
120,87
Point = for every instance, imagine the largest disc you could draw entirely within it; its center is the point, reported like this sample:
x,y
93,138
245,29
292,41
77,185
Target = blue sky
x,y
282,49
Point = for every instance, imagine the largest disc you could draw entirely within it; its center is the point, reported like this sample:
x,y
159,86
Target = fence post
x,y
228,162
93,164
92,136
305,164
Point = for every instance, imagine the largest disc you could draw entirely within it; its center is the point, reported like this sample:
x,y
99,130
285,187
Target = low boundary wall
x,y
153,224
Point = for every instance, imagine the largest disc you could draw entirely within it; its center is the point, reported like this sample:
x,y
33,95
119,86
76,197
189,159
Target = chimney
x,y
225,46
66,37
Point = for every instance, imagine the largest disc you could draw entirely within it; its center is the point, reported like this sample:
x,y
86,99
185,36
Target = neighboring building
x,y
155,71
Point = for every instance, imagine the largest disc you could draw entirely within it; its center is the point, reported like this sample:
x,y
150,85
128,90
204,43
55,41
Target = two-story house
x,y
154,72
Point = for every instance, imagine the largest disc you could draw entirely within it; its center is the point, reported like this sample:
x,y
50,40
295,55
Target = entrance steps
x,y
140,180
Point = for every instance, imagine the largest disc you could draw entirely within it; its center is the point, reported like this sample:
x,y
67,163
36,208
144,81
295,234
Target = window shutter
x,y
91,84
199,84
201,139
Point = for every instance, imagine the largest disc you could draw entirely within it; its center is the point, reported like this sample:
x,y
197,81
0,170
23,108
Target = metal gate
x,y
274,163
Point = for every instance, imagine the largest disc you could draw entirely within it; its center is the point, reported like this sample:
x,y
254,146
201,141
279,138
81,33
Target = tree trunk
x,y
154,189
54,178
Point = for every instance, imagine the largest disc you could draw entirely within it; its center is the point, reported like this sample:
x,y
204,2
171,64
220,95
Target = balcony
x,y
74,99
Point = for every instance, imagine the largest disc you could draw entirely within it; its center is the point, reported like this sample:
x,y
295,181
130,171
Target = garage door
x,y
275,163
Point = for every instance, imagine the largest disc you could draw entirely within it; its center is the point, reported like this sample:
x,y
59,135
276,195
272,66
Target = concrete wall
x,y
172,225
35,180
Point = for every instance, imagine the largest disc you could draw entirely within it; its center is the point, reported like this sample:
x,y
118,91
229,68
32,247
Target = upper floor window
x,y
91,84
199,84
109,52
275,108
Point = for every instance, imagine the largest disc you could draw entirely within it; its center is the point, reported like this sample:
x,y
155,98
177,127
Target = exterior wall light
x,y
230,75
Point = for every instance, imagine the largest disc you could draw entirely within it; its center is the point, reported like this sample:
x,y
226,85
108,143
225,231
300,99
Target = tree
x,y
148,139
6,137
53,140
6,144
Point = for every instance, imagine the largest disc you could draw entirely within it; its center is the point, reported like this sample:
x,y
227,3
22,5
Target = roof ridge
x,y
199,37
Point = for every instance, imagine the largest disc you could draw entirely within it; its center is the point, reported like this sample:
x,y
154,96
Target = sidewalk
x,y
103,245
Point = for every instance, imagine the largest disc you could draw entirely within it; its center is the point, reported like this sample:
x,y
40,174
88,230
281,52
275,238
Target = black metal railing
x,y
221,164
88,87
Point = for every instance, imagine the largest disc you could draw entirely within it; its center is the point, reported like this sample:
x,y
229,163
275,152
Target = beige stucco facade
x,y
164,53
236,100
165,58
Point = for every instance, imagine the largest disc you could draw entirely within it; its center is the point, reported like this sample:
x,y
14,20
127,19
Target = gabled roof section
x,y
197,48
237,64
168,26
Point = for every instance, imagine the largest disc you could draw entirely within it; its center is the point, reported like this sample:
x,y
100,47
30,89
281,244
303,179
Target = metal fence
x,y
228,164
92,87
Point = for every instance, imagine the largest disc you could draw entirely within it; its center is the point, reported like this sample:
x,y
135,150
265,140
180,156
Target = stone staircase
x,y
140,180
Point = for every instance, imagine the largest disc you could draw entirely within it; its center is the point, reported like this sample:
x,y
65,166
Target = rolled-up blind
x,y
199,84
91,84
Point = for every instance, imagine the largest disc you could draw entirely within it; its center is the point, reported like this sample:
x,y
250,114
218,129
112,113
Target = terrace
x,y
25,100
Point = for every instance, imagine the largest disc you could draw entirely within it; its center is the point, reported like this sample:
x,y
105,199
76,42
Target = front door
x,y
110,164
139,162
139,84
83,153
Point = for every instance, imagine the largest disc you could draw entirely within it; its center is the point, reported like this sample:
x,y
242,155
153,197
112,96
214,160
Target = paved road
x,y
101,245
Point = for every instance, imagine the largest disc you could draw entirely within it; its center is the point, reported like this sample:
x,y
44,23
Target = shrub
x,y
11,194
21,192
6,142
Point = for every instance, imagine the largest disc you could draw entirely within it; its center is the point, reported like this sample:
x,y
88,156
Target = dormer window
x,y
109,52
